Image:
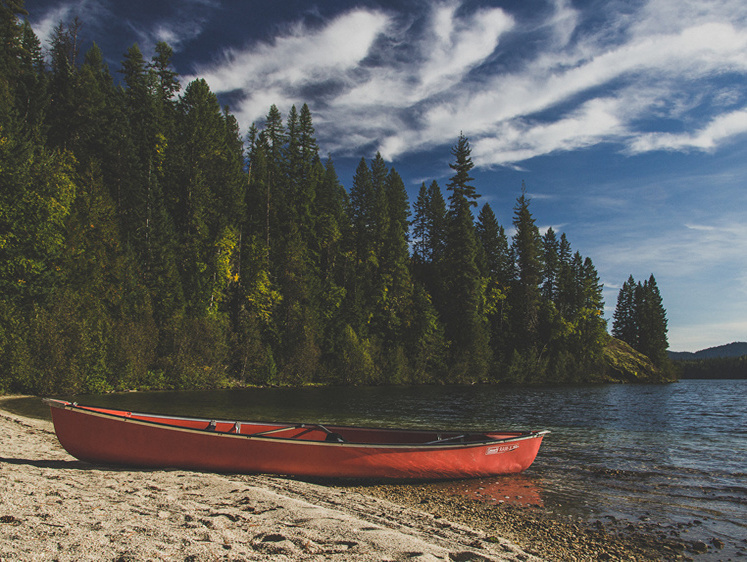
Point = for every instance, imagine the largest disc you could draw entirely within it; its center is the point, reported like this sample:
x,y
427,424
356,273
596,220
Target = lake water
x,y
671,454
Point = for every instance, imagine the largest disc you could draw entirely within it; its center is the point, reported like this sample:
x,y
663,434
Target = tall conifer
x,y
525,296
464,320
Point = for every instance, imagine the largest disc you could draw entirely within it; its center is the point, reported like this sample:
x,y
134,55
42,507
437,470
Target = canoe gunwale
x,y
447,443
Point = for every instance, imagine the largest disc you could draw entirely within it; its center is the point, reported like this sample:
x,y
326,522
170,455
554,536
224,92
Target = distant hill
x,y
734,349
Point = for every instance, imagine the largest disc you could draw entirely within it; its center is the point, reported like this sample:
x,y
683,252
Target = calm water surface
x,y
674,454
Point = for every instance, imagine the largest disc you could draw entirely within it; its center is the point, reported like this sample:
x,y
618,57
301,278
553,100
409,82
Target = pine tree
x,y
167,80
429,240
396,299
32,97
497,269
12,52
421,228
624,325
309,150
652,323
551,261
64,56
525,295
640,320
207,199
459,184
463,296
590,325
488,232
566,286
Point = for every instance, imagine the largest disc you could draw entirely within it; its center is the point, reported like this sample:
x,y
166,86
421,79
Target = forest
x,y
146,243
713,368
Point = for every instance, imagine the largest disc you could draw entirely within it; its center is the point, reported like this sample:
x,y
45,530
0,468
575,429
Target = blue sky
x,y
627,120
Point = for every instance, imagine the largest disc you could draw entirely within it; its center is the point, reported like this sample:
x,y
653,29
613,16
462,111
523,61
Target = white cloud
x,y
721,128
681,251
46,25
595,121
652,70
358,57
300,58
445,53
584,85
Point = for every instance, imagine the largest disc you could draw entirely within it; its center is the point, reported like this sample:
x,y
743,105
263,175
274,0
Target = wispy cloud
x,y
366,68
46,24
90,12
103,19
721,128
679,250
277,72
413,84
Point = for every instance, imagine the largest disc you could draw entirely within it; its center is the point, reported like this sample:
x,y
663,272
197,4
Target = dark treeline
x,y
713,368
144,243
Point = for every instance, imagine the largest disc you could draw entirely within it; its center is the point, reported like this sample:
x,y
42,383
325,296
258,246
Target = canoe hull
x,y
113,437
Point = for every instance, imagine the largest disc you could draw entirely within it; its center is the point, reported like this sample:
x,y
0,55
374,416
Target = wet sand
x,y
54,507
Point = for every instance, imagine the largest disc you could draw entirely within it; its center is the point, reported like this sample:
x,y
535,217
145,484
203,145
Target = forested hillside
x,y
145,242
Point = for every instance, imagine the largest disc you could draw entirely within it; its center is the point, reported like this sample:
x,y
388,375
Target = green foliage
x,y
525,293
145,244
640,320
623,363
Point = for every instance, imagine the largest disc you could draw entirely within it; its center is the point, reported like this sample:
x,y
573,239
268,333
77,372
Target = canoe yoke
x,y
331,437
439,439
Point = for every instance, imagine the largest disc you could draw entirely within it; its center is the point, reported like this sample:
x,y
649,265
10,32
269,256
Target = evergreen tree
x,y
640,320
207,197
396,298
624,325
12,53
525,295
421,228
465,322
32,97
429,240
167,80
64,56
460,185
309,151
652,323
566,286
551,261
488,232
497,267
589,324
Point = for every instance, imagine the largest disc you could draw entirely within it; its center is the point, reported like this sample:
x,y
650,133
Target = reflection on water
x,y
675,453
515,489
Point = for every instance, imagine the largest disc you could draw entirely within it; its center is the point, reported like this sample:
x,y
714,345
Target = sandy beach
x,y
54,507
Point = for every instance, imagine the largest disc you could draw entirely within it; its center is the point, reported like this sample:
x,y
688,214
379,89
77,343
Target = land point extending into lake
x,y
56,507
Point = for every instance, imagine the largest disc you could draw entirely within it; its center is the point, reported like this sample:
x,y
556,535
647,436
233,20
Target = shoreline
x,y
56,507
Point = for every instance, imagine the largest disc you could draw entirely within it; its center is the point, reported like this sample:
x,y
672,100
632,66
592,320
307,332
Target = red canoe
x,y
104,435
